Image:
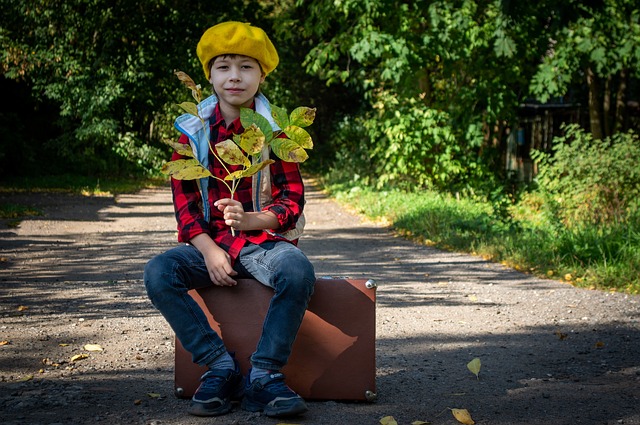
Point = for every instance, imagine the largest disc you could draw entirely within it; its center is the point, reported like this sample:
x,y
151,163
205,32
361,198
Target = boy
x,y
236,57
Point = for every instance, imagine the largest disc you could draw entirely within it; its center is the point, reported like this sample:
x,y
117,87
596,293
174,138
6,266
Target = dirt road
x,y
550,353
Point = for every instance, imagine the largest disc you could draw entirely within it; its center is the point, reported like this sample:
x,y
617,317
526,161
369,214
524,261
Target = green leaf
x,y
249,117
288,150
280,116
185,169
230,153
183,149
299,136
189,108
251,140
302,116
249,171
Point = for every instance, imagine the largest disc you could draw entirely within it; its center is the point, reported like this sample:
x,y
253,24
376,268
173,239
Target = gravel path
x,y
550,353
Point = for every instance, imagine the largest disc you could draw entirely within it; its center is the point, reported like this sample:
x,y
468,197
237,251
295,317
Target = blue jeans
x,y
279,265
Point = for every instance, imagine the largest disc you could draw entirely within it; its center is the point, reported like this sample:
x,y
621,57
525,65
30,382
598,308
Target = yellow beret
x,y
237,38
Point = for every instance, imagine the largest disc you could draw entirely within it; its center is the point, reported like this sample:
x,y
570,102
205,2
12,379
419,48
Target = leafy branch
x,y
245,149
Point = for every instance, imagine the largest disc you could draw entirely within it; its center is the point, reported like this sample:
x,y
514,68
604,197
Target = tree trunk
x,y
621,102
606,107
595,116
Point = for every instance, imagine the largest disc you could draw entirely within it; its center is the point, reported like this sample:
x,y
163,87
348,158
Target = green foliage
x,y
587,255
604,37
438,78
587,181
108,67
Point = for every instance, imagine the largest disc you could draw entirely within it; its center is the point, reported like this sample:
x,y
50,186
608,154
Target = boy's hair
x,y
237,38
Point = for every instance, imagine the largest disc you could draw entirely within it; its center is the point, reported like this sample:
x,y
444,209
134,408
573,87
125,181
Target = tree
x,y
442,79
108,65
599,48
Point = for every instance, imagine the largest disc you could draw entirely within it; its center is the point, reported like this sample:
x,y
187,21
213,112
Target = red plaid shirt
x,y
287,191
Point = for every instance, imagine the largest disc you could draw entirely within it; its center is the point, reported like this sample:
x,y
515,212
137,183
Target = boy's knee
x,y
154,275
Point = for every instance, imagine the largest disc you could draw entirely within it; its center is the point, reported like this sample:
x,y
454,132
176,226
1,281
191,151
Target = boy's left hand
x,y
233,213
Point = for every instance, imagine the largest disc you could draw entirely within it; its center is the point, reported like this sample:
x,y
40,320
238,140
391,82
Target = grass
x,y
605,258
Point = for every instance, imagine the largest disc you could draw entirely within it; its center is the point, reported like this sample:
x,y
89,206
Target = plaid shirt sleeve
x,y
187,203
287,191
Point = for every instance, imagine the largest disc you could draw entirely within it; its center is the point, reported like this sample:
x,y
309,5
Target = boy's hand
x,y
217,260
234,215
219,267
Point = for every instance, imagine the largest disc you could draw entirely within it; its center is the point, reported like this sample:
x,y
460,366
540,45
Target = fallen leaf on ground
x,y
63,344
561,335
474,366
26,378
154,395
420,423
137,402
93,347
463,416
79,357
4,342
388,420
599,344
23,308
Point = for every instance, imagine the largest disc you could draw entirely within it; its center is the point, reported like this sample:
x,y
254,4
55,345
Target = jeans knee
x,y
301,275
156,278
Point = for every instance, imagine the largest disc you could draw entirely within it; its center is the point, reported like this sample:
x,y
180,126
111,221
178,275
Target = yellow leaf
x,y
26,378
420,423
92,347
249,171
184,77
231,153
561,335
23,308
299,136
288,150
388,420
185,169
79,357
462,416
154,395
189,108
251,140
303,116
474,367
5,342
183,149
63,344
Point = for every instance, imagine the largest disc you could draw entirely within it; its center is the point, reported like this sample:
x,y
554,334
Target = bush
x,y
589,181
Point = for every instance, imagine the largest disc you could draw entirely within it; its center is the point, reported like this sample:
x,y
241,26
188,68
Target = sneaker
x,y
272,396
217,389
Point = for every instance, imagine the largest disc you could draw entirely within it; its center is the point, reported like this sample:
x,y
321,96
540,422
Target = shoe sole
x,y
201,410
295,409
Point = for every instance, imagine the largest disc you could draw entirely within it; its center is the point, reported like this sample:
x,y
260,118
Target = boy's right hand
x,y
217,260
218,264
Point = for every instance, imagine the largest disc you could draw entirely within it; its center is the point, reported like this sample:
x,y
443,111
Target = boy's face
x,y
236,79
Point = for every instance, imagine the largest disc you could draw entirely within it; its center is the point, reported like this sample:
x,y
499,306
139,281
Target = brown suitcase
x,y
333,357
